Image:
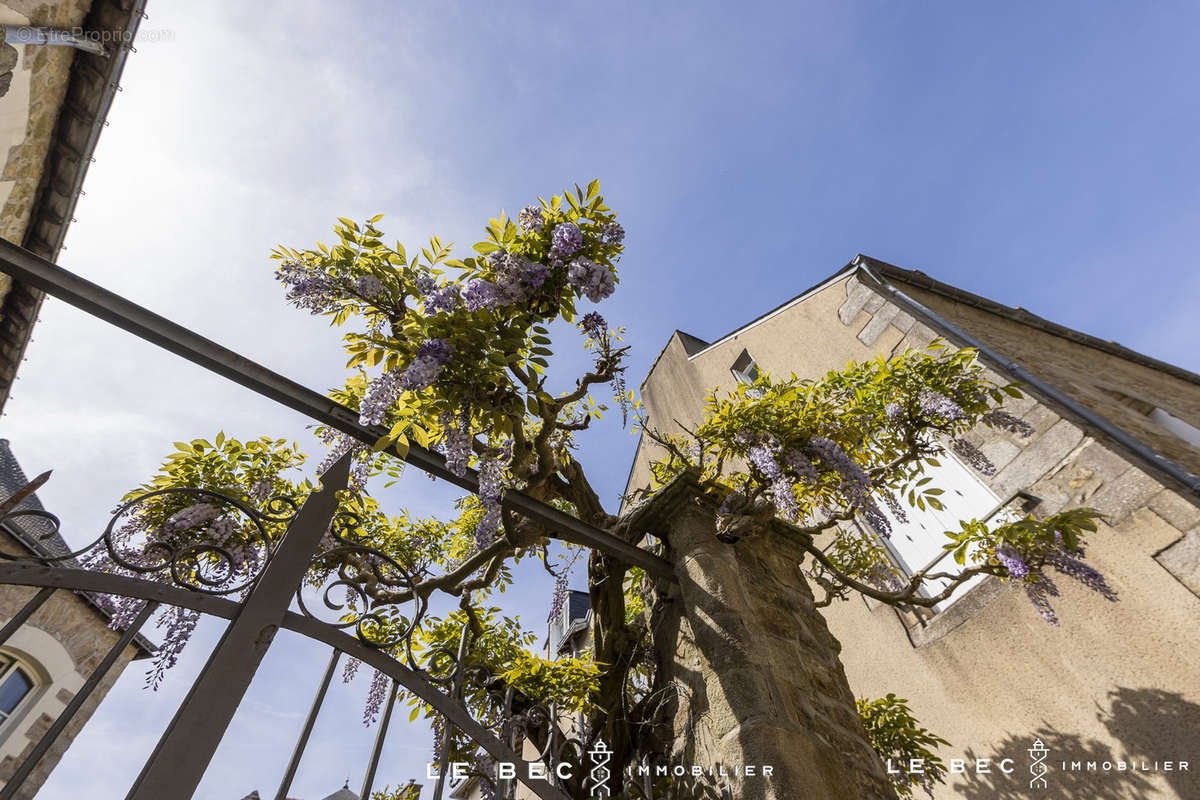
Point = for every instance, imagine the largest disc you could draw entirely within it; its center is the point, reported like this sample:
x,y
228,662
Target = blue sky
x,y
1043,155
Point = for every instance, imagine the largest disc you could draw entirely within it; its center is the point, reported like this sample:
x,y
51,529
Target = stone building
x,y
48,659
1115,687
54,99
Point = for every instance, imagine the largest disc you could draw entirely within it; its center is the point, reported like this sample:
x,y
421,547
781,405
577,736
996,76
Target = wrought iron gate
x,y
256,594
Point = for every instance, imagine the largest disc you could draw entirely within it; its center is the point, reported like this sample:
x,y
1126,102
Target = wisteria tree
x,y
454,354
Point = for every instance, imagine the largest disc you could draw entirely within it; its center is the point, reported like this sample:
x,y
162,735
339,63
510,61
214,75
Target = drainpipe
x,y
28,34
1143,453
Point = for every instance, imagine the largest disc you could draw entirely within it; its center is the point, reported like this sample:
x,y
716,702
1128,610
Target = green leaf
x,y
401,447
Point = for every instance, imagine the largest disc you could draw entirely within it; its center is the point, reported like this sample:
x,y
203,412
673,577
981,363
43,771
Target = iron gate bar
x,y
302,742
112,308
26,574
67,714
176,766
418,686
380,736
27,611
456,691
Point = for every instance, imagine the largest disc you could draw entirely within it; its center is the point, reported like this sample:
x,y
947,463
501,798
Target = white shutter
x,y
920,540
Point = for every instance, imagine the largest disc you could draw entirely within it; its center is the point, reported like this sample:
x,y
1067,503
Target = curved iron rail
x,y
28,574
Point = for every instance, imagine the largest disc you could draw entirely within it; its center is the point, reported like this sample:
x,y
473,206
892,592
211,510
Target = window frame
x,y
11,663
749,373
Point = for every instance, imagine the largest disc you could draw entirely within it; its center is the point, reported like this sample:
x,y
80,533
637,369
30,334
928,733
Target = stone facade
x,y
29,114
65,639
1117,681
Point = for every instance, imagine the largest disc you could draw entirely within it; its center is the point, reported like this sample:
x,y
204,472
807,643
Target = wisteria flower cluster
x,y
432,356
309,286
1040,587
491,485
593,280
531,219
565,241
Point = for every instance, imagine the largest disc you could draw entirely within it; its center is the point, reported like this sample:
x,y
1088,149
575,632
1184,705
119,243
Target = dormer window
x,y
744,369
1159,416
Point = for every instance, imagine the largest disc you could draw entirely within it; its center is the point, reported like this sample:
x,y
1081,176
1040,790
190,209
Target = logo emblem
x,y
600,755
1038,768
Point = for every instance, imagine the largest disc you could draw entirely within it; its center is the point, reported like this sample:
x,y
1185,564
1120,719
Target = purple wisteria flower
x,y
180,624
491,476
800,465
376,695
309,287
764,455
612,233
973,456
1087,575
339,444
517,277
1008,556
855,480
566,240
875,518
591,279
883,578
1038,590
426,284
368,286
894,506
380,394
593,325
444,300
222,529
734,503
431,359
531,218
261,490
480,294
558,599
894,411
486,766
193,516
936,404
455,445
350,670
1008,422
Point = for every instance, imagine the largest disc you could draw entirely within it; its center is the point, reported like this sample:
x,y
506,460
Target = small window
x,y
744,369
16,684
1159,416
1184,430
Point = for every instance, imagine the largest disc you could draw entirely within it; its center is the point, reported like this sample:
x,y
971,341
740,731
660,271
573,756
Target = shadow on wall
x,y
1149,725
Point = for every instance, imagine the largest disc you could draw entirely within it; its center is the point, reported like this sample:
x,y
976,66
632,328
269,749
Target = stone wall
x,y
48,71
84,639
1115,680
1064,463
1087,375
